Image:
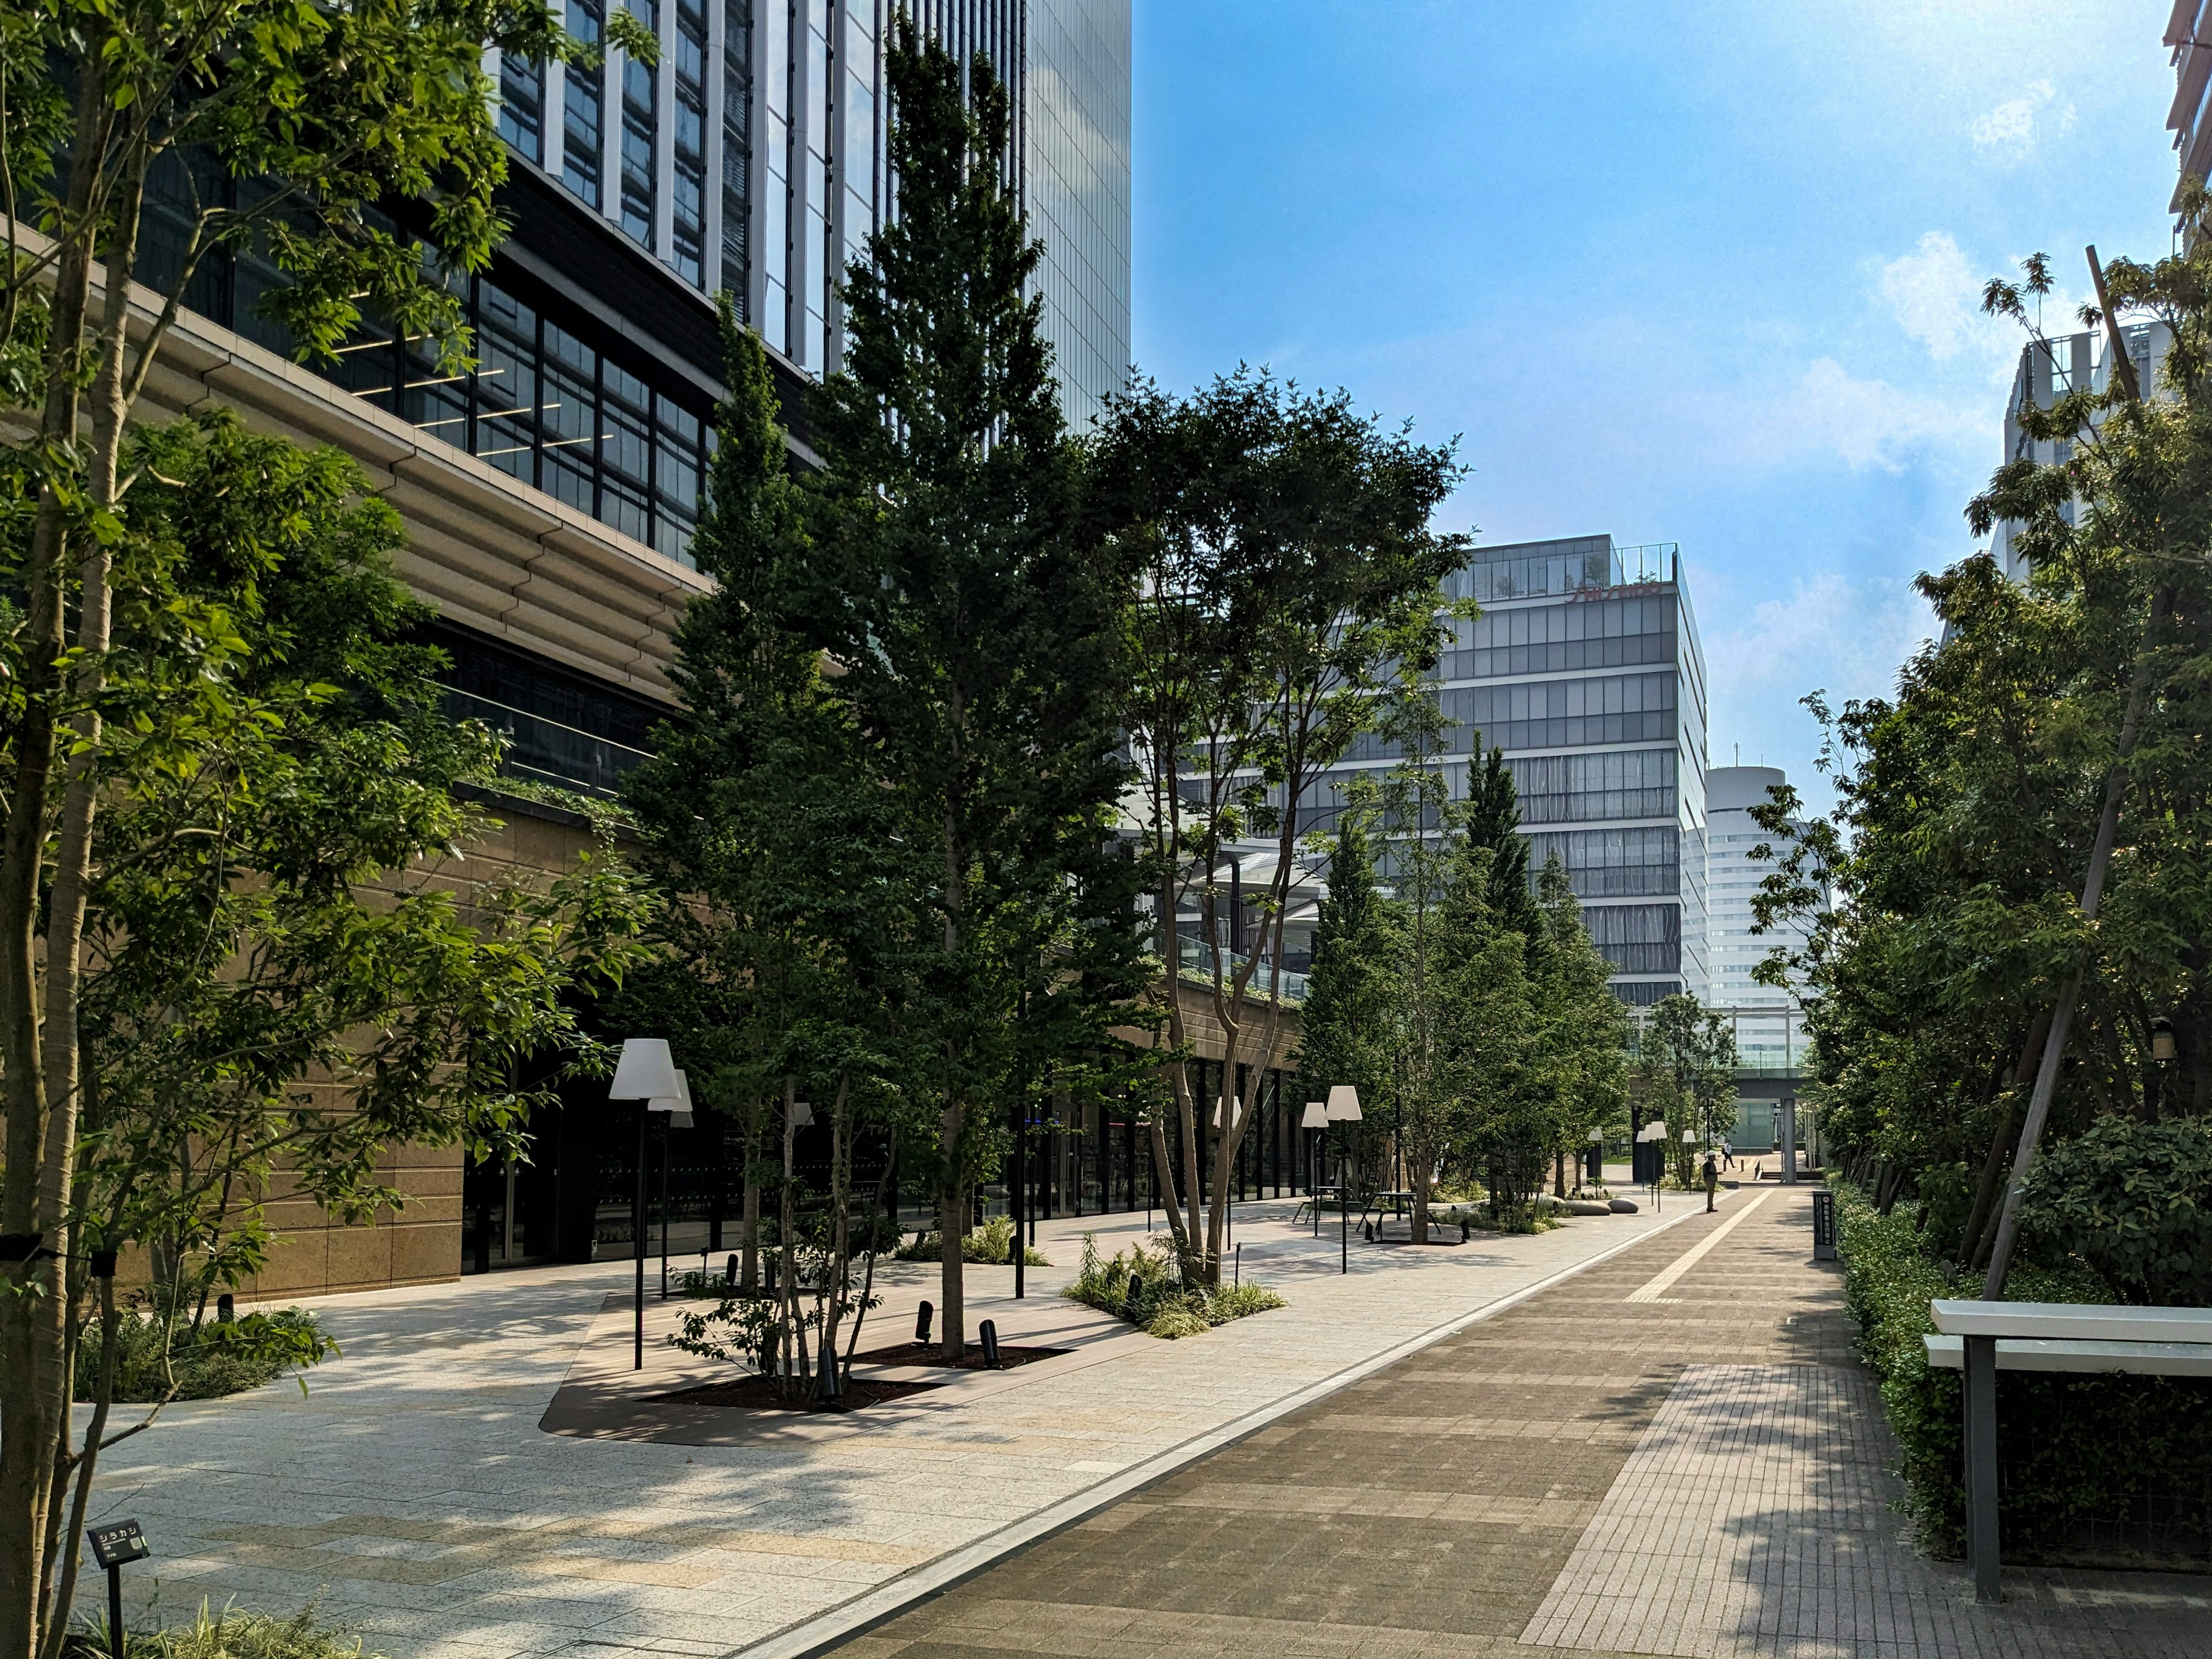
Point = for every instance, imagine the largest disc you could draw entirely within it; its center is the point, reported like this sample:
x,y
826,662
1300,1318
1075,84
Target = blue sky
x,y
1706,273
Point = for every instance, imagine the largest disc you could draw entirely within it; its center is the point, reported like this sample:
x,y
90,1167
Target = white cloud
x,y
1934,296
1865,423
2011,130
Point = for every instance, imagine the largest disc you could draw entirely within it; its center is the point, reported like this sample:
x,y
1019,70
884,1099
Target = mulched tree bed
x,y
758,1394
918,1353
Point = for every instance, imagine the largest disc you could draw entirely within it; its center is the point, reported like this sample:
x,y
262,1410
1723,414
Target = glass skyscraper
x,y
752,158
1585,668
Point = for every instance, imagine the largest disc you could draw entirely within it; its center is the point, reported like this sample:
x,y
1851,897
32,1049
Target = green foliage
x,y
228,1634
1144,1285
2133,1199
1969,802
275,740
1685,1070
990,1245
176,1358
2069,1448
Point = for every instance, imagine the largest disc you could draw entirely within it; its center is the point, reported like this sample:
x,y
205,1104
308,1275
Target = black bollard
x,y
1130,1296
921,1321
730,1274
226,1309
989,1334
829,1388
1465,1229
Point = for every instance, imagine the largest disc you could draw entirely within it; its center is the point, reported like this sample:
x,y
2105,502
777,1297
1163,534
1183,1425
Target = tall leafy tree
x,y
1286,574
1686,1059
322,116
274,742
973,630
1346,1023
1582,1062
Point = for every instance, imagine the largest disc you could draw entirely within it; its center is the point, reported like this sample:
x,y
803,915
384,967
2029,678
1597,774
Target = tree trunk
x,y
749,1260
41,1107
1420,1164
951,1233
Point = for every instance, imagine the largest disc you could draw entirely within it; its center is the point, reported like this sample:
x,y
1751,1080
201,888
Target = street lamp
x,y
1316,1120
1343,1107
645,1074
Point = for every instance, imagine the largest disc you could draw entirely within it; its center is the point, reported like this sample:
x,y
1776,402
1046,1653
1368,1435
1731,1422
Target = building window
x,y
583,107
522,105
736,151
549,411
640,113
687,205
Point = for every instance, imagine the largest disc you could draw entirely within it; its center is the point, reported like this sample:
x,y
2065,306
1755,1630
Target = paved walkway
x,y
1672,1453
421,1488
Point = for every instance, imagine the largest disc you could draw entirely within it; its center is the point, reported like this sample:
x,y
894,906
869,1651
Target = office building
x,y
1585,668
2189,35
550,492
1766,1020
2050,369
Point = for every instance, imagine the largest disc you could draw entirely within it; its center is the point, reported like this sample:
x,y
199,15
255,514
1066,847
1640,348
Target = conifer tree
x,y
974,632
1348,1015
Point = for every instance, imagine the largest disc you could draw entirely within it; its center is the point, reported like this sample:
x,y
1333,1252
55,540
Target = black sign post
x,y
112,1545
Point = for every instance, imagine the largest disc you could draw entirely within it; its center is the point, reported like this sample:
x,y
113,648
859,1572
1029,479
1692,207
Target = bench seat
x,y
2051,1354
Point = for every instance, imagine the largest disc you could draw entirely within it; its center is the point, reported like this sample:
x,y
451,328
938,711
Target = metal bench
x,y
1983,1338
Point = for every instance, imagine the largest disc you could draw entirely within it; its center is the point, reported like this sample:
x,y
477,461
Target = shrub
x,y
1163,1305
226,1635
991,1245
216,1359
2075,1454
2134,1199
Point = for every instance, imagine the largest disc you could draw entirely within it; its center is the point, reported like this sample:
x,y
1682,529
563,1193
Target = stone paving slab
x,y
414,1492
1591,1472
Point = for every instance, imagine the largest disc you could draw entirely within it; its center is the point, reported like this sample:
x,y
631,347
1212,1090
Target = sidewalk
x,y
416,1489
1635,1461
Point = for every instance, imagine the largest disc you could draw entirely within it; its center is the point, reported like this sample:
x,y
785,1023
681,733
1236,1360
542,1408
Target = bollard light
x,y
2161,1037
988,1333
922,1319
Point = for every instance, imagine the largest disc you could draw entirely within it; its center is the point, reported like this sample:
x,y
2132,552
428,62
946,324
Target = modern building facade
x,y
751,159
2050,369
1585,668
1769,1027
550,491
2189,35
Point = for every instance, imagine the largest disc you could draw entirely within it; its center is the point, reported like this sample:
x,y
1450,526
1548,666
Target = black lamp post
x,y
1315,1121
645,1074
1343,1107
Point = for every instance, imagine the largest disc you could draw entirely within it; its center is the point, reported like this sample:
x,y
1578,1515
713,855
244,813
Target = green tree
x,y
1286,574
1686,1059
1583,1052
784,972
973,628
1489,1032
1345,1023
2018,920
322,115
273,743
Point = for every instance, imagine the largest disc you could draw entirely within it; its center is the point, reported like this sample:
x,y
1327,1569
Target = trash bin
x,y
1824,1225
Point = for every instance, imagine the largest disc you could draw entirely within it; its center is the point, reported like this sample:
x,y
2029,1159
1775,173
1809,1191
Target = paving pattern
x,y
1698,1468
415,1491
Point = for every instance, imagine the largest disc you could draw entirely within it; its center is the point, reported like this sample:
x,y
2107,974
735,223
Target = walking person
x,y
1712,1181
1728,1153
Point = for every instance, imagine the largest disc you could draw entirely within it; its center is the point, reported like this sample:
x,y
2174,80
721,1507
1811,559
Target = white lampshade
x,y
1343,1103
1316,1116
802,1115
677,1105
1689,1137
644,1071
1597,1137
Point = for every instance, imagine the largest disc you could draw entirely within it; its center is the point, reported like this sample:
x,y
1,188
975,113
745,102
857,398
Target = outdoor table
x,y
1985,1338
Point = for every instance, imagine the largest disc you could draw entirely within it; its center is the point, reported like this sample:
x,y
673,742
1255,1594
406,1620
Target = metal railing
x,y
546,751
1195,963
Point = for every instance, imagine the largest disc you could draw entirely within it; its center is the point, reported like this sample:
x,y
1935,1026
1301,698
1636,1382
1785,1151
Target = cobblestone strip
x,y
1754,1518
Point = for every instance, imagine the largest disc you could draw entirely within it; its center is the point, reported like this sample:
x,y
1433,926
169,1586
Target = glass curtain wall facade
x,y
1769,1028
1585,667
780,105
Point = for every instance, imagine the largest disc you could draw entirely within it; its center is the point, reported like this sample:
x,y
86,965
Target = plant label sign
x,y
112,1545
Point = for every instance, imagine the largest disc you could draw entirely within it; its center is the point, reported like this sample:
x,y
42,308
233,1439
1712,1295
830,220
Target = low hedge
x,y
2092,1470
1143,1285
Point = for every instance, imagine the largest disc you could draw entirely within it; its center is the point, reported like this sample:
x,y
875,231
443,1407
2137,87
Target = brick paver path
x,y
1697,1470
